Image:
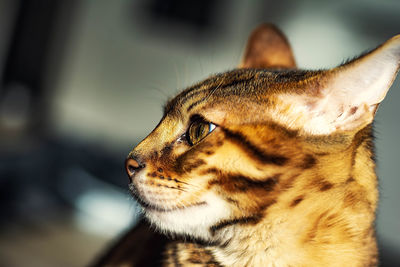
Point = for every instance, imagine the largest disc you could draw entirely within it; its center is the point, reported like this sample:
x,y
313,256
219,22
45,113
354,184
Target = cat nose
x,y
133,165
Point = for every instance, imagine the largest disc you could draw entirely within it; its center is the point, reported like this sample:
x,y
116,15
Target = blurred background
x,y
83,81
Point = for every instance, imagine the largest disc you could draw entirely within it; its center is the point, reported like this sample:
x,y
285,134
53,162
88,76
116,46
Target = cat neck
x,y
325,223
278,247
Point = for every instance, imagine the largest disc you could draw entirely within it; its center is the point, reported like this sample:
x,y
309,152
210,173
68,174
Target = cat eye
x,y
198,130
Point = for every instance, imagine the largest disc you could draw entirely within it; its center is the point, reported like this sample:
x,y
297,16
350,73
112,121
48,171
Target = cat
x,y
264,165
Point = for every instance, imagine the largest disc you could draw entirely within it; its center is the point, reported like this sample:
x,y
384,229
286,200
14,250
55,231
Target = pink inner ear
x,y
267,47
350,94
355,118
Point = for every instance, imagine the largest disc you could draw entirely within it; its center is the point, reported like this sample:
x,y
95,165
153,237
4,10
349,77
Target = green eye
x,y
198,130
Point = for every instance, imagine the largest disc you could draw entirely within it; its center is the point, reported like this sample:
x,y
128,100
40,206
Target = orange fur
x,y
286,178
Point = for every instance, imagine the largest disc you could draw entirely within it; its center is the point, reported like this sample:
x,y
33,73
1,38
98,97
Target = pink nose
x,y
132,165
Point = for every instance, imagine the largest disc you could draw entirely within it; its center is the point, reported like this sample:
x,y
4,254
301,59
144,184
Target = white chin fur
x,y
194,221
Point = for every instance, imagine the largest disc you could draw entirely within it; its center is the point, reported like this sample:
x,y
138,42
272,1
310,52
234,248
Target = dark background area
x,y
83,81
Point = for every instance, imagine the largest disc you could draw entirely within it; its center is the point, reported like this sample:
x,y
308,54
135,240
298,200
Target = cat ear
x,y
349,95
266,48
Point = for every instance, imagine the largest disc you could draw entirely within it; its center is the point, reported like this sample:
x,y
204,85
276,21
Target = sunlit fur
x,y
264,188
299,200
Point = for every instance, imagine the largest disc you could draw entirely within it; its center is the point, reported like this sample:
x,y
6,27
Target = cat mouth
x,y
152,207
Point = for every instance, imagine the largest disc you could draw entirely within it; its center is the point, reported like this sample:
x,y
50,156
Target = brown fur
x,y
295,198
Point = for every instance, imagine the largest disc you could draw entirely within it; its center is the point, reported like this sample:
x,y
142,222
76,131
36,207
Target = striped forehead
x,y
249,83
192,96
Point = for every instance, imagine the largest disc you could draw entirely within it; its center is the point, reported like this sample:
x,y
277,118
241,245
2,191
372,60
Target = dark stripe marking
x,y
210,171
233,201
325,186
189,167
226,243
206,85
183,96
213,263
195,257
240,183
320,183
309,162
189,160
195,104
220,87
253,150
195,91
296,201
175,255
190,93
252,220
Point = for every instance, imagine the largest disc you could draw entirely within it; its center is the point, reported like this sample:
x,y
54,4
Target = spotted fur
x,y
266,187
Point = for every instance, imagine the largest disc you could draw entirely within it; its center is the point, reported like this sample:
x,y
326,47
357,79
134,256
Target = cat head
x,y
228,147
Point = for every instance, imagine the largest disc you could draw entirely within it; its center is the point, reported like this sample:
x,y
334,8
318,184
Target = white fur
x,y
195,220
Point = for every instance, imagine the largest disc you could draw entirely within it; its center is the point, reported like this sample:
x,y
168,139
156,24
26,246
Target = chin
x,y
192,221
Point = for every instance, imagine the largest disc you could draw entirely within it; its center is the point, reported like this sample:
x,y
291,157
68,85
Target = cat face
x,y
229,150
203,165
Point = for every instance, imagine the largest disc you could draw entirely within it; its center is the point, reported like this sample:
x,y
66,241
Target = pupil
x,y
200,131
